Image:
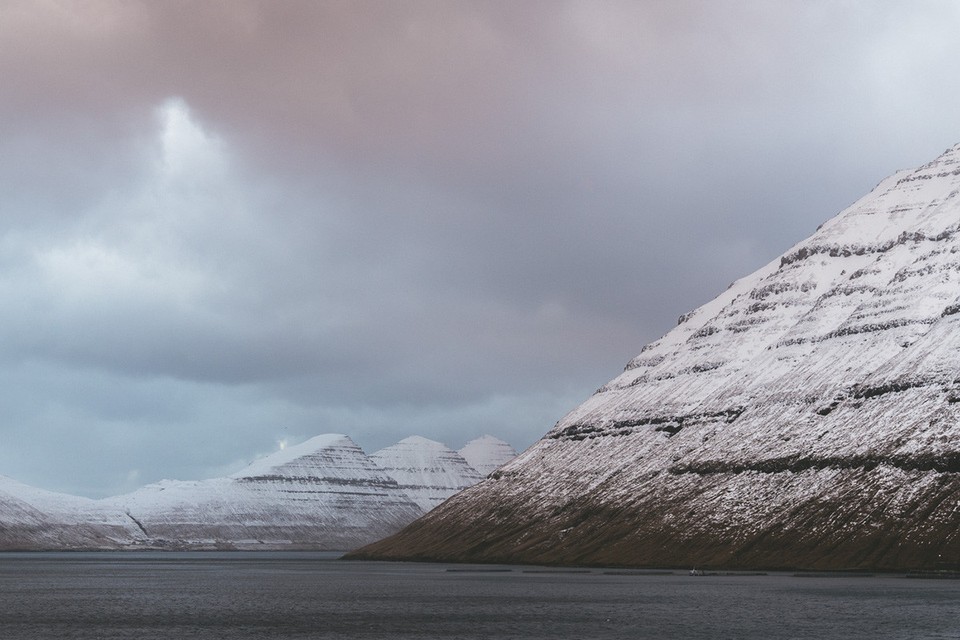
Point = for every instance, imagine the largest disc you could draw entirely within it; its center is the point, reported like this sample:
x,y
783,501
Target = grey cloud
x,y
399,217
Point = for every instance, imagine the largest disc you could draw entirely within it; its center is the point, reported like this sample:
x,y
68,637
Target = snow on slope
x,y
428,471
32,518
808,416
322,494
325,493
487,453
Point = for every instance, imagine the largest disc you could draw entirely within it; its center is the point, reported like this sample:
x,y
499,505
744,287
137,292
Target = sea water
x,y
309,595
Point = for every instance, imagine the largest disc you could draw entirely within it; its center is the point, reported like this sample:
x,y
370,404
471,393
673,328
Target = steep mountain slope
x,y
322,494
428,471
806,417
487,453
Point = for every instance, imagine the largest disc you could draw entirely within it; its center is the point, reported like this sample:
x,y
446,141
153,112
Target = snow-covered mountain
x,y
428,471
32,518
806,417
325,493
487,453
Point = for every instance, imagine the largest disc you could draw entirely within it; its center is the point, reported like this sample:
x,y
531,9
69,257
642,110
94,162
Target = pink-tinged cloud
x,y
226,223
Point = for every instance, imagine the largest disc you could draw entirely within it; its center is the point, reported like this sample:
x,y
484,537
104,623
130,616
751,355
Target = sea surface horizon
x,y
266,595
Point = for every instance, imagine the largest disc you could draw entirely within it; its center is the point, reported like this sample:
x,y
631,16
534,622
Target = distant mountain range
x,y
807,417
324,494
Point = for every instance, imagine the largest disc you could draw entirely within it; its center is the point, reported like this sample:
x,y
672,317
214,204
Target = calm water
x,y
302,595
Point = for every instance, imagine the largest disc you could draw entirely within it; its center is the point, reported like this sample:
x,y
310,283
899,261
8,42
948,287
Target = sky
x,y
228,226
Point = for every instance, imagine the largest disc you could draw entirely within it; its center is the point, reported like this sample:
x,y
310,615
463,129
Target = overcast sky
x,y
228,225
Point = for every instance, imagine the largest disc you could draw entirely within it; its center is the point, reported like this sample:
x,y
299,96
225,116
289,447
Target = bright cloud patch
x,y
188,152
147,257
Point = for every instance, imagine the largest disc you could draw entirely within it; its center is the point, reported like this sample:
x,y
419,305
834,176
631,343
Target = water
x,y
304,595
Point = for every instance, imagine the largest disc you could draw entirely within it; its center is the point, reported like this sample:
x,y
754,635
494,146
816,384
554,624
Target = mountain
x,y
487,453
807,417
325,493
35,519
428,471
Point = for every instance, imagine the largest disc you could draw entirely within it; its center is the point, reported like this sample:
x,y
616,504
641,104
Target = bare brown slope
x,y
863,523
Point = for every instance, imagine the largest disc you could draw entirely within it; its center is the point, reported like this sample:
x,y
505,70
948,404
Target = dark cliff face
x,y
805,418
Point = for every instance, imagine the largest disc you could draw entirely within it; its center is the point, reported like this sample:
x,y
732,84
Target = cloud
x,y
233,224
122,272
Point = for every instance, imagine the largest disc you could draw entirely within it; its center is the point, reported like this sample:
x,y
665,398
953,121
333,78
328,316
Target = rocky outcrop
x,y
805,418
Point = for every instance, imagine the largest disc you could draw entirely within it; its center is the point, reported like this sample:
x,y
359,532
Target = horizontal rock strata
x,y
805,418
323,494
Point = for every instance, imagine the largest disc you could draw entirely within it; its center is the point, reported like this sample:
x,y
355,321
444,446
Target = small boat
x,y
696,572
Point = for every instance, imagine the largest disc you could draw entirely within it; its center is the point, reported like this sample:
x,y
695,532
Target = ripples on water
x,y
303,595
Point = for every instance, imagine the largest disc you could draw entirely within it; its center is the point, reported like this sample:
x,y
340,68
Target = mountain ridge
x,y
426,470
487,453
322,494
804,418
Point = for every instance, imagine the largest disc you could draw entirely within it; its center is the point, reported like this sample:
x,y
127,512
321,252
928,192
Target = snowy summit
x,y
806,417
325,493
486,454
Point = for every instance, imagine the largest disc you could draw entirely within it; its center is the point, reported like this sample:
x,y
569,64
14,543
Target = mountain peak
x,y
806,417
299,458
487,453
429,471
324,493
